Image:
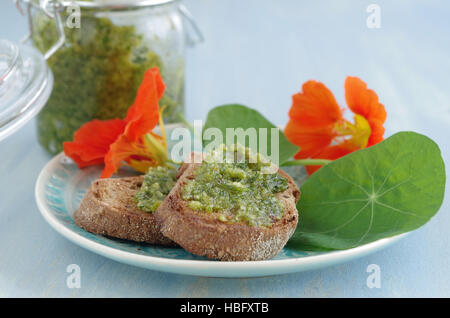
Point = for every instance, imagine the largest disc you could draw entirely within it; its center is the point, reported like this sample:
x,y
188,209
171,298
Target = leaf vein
x,y
370,225
389,173
395,186
351,182
335,202
400,211
348,222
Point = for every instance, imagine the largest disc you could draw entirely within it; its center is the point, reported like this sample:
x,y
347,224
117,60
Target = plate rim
x,y
206,268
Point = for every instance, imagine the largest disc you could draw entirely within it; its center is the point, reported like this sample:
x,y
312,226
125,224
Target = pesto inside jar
x,y
239,190
158,182
97,73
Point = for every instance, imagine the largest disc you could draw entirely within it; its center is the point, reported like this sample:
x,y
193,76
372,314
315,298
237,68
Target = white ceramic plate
x,y
61,186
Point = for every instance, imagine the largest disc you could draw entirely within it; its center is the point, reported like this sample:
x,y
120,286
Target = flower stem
x,y
306,162
173,162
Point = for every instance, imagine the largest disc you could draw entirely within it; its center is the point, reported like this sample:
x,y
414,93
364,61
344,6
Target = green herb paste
x,y
156,186
97,73
237,189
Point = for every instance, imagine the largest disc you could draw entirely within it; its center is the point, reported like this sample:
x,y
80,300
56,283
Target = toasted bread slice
x,y
108,208
205,235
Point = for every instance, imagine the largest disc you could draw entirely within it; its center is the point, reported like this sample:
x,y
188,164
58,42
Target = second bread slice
x,y
108,208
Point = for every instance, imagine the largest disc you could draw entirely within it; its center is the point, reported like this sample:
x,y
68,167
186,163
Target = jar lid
x,y
120,3
25,85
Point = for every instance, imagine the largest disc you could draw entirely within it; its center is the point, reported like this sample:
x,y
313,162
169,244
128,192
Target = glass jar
x,y
102,57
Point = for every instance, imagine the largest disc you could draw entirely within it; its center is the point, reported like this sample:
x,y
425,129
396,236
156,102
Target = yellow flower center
x,y
355,134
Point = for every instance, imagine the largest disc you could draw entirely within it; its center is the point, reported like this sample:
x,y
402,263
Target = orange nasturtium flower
x,y
316,123
127,141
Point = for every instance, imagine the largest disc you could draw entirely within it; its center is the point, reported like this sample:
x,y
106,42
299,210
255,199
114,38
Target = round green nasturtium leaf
x,y
240,116
390,188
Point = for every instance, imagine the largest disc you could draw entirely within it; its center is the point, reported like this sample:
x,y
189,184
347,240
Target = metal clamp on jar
x,y
98,51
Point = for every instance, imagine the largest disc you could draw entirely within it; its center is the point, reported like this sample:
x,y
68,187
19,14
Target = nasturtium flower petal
x,y
315,106
143,115
91,142
364,102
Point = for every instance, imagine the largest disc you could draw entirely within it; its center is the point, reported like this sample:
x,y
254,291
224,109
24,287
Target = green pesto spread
x,y
97,73
238,189
156,186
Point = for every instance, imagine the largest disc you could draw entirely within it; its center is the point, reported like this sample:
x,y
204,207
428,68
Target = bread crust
x,y
108,208
205,235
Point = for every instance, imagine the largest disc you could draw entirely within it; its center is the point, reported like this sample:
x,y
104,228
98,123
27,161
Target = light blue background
x,y
258,53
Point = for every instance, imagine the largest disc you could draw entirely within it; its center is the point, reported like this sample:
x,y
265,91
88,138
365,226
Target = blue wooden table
x,y
259,53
